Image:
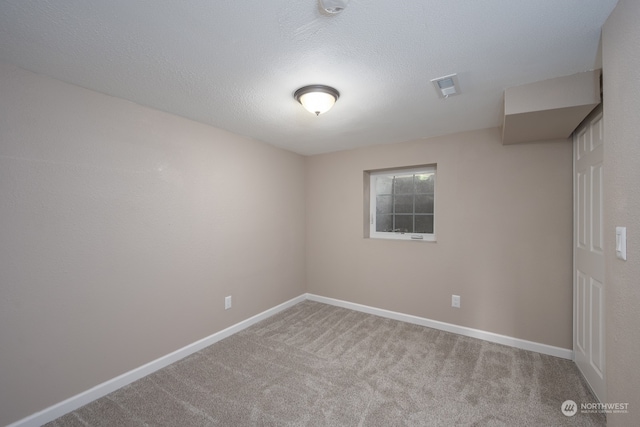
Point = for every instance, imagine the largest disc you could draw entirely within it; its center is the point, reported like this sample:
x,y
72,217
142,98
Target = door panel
x,y
596,208
581,209
589,344
596,324
581,288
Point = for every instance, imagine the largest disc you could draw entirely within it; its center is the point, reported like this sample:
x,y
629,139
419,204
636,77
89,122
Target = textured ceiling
x,y
235,64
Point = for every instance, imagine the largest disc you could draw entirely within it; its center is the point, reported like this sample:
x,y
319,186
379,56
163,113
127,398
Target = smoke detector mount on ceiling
x,y
447,86
333,6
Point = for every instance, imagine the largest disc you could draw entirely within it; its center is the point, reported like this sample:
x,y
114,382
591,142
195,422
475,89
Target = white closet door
x,y
588,340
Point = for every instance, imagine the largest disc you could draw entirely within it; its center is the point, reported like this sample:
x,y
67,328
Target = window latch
x,y
417,237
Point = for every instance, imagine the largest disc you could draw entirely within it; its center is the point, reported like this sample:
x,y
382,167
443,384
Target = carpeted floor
x,y
319,365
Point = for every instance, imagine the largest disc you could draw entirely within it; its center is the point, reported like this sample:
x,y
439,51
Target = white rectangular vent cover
x,y
447,86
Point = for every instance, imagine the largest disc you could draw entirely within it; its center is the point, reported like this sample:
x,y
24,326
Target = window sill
x,y
404,237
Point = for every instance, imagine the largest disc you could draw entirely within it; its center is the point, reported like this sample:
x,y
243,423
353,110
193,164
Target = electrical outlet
x,y
227,302
455,301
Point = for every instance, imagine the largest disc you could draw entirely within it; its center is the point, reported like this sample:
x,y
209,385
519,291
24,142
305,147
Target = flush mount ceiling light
x,y
317,99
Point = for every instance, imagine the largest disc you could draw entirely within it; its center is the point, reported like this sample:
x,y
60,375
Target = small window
x,y
402,203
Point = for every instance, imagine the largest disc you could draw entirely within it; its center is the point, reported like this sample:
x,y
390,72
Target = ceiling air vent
x,y
447,86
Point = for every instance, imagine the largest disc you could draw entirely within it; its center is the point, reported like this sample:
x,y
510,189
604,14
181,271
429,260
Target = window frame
x,y
372,217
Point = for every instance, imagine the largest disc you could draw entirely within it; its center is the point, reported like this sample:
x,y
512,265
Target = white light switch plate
x,y
621,243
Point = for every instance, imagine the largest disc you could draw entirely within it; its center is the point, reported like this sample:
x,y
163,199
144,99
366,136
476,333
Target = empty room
x,y
319,212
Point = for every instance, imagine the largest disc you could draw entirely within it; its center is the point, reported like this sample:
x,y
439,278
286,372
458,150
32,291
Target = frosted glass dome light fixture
x,y
317,99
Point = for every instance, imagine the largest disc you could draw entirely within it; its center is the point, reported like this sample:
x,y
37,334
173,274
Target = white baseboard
x,y
448,327
88,396
75,402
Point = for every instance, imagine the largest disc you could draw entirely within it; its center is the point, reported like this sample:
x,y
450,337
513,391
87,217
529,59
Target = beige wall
x,y
504,230
621,62
122,230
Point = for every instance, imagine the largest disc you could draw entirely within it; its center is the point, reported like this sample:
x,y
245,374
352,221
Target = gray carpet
x,y
319,365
